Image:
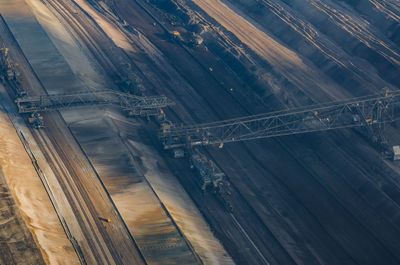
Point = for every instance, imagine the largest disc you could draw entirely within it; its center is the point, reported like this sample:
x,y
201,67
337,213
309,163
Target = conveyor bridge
x,y
370,111
134,105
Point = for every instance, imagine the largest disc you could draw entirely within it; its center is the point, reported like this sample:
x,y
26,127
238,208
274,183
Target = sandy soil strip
x,y
32,199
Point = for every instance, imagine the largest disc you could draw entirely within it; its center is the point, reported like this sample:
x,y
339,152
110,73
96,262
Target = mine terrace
x,y
211,132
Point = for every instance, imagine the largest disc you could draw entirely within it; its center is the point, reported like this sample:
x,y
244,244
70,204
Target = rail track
x,y
75,21
93,243
65,12
68,187
277,177
196,119
359,206
183,102
216,113
219,115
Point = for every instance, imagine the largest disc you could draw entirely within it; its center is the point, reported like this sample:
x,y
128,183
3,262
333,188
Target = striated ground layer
x,y
325,198
30,230
159,239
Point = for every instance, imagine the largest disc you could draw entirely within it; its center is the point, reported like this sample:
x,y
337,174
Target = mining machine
x,y
370,112
133,105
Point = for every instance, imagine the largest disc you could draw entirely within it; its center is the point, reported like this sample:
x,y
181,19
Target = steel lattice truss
x,y
136,105
366,111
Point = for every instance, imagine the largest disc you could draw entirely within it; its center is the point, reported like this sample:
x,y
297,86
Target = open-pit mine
x,y
210,132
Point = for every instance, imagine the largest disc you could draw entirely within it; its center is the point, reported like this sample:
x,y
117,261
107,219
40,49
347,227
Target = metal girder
x,y
367,111
136,105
